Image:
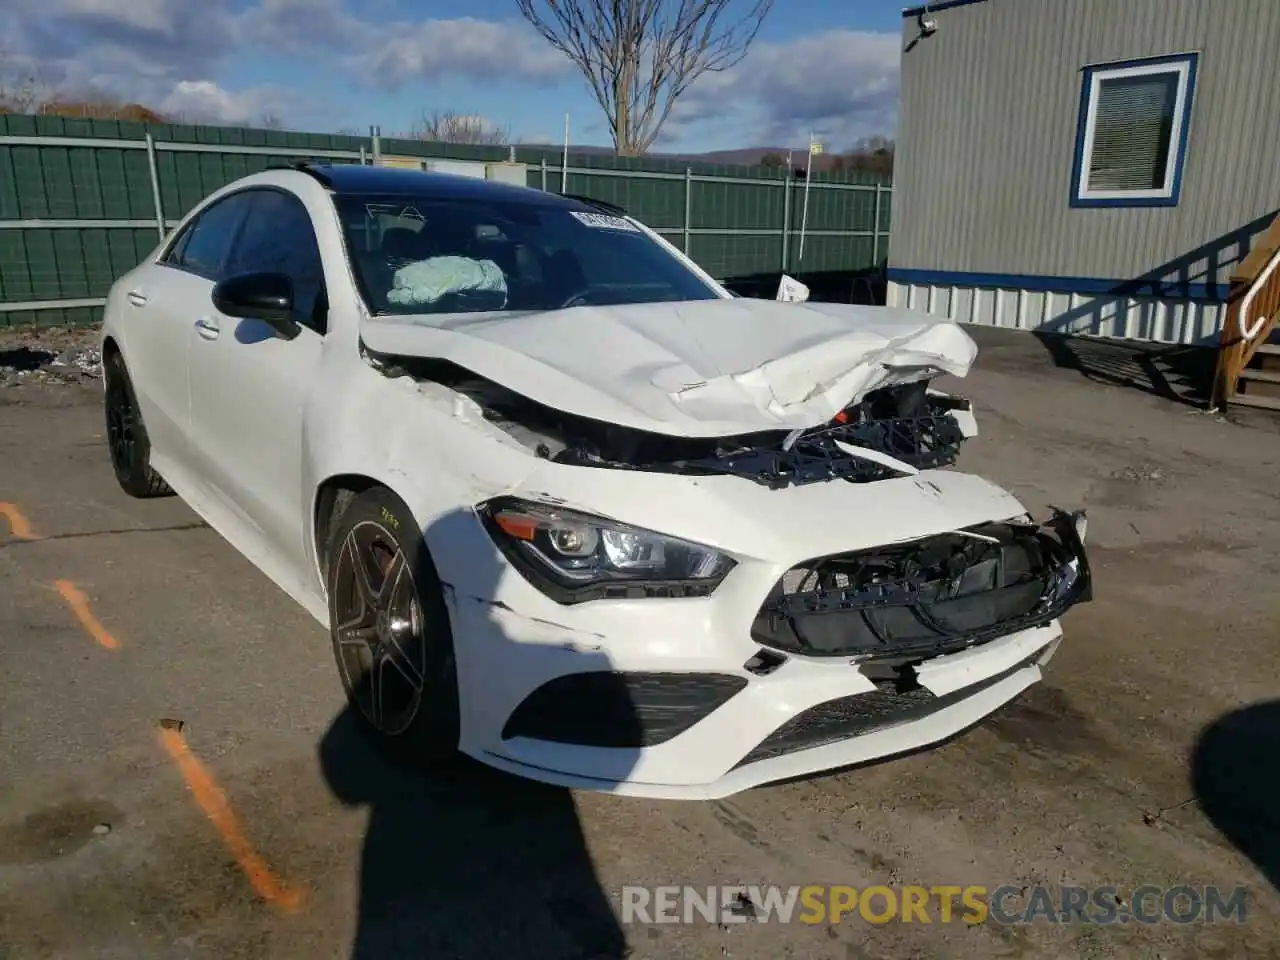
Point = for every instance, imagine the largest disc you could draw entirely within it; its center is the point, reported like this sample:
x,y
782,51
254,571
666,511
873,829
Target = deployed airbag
x,y
429,281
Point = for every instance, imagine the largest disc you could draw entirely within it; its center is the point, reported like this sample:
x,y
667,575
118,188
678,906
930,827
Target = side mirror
x,y
259,296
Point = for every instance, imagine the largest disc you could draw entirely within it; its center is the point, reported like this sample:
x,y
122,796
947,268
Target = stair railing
x,y
1253,307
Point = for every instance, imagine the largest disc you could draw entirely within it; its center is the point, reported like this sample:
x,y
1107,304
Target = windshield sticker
x,y
602,222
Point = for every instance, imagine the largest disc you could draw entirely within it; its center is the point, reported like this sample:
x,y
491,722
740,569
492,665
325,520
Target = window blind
x,y
1132,132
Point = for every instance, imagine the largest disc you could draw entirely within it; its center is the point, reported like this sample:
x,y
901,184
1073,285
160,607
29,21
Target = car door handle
x,y
137,299
207,328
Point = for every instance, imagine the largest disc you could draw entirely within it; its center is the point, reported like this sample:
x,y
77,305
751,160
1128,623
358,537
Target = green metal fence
x,y
82,201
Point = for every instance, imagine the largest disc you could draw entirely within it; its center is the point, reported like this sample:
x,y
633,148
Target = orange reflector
x,y
842,417
517,525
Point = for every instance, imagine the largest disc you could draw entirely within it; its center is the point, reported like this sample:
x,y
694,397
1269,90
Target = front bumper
x,y
675,698
747,742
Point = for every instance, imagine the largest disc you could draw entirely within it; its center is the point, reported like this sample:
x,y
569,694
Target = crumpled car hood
x,y
693,368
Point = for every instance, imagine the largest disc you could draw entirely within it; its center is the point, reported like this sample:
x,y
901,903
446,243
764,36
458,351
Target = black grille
x,y
612,709
930,596
864,713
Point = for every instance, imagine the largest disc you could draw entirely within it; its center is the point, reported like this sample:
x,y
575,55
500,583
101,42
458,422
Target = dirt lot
x,y
254,822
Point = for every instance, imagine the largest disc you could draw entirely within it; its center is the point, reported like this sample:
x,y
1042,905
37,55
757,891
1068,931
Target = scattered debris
x,y
51,356
1150,818
1140,474
102,829
743,907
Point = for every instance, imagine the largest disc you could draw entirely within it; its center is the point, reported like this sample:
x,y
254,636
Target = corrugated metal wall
x,y
76,214
987,133
1192,322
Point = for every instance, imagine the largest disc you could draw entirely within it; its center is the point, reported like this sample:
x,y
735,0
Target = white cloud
x,y
155,16
300,26
840,84
134,51
478,49
203,101
165,51
81,37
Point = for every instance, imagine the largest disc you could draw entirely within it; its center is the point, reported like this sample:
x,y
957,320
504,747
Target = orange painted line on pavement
x,y
213,802
79,605
19,527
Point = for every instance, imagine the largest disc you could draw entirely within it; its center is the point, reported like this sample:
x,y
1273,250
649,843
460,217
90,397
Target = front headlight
x,y
574,556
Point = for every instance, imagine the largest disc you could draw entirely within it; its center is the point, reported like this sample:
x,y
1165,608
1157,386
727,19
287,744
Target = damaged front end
x,y
893,431
928,597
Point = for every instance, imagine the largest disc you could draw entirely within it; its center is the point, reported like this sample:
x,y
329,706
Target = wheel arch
x,y
332,497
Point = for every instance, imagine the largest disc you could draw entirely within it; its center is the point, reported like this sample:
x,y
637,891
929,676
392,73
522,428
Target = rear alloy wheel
x,y
390,626
127,435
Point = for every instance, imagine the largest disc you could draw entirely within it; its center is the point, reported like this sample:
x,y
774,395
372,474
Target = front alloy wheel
x,y
390,626
378,634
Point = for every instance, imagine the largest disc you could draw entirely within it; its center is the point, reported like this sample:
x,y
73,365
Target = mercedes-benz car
x,y
567,505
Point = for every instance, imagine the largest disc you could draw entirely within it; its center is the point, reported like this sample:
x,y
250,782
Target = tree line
x,y
868,155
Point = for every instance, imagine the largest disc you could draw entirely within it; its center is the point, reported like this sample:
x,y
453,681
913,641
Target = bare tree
x,y
639,56
23,88
450,127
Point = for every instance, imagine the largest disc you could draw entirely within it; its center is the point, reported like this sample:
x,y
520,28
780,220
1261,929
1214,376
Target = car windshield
x,y
430,255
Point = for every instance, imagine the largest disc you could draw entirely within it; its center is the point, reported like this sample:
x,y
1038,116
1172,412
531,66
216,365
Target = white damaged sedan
x,y
567,505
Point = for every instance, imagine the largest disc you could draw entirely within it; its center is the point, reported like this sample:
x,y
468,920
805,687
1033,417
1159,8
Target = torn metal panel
x,y
690,369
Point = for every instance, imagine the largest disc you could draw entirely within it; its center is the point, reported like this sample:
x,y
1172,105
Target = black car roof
x,y
354,179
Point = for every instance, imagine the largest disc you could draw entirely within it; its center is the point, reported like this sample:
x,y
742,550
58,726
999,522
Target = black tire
x,y
127,439
399,628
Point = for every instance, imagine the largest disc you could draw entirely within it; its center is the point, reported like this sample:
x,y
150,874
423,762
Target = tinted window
x,y
278,237
204,245
431,255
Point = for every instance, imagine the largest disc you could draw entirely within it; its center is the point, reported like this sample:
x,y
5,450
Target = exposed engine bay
x,y
892,431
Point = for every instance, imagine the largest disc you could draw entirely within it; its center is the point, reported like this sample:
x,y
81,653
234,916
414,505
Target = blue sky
x,y
327,65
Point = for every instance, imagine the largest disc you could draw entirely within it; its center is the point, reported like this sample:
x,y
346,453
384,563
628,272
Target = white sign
x,y
602,222
791,290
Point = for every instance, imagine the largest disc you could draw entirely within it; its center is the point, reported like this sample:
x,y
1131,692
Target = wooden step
x,y
1250,373
1268,348
1254,400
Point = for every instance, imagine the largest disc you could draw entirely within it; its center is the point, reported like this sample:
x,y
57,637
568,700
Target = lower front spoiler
x,y
965,706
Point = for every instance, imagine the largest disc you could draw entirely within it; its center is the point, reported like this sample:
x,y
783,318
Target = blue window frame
x,y
1131,136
